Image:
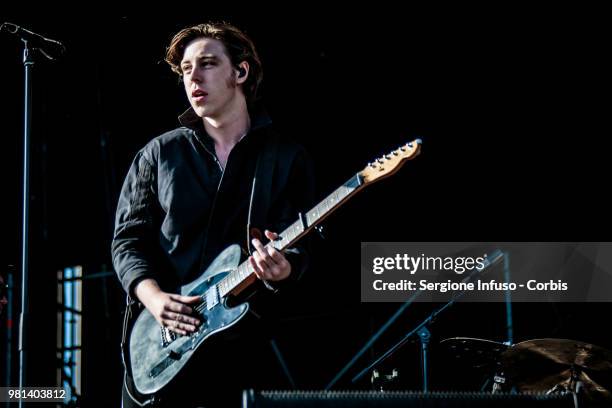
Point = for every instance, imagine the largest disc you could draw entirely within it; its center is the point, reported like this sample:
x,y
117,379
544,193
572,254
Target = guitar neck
x,y
383,167
244,275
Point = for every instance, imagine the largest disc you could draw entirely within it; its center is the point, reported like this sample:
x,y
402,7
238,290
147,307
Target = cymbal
x,y
477,353
561,351
541,364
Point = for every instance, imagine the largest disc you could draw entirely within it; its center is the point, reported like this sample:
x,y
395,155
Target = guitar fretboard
x,y
295,231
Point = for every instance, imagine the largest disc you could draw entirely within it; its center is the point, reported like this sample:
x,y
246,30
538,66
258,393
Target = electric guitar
x,y
158,354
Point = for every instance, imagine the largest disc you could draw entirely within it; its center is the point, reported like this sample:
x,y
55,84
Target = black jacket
x,y
178,209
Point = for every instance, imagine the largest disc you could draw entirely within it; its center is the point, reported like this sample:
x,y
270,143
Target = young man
x,y
187,197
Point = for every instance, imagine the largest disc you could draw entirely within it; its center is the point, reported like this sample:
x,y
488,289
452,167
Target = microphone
x,y
48,47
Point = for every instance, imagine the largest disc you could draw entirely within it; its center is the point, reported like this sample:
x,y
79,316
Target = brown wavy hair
x,y
238,45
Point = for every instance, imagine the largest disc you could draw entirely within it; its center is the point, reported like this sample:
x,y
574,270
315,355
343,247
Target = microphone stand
x,y
29,52
509,324
422,331
28,64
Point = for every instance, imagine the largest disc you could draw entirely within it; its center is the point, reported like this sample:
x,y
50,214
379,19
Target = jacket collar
x,y
259,119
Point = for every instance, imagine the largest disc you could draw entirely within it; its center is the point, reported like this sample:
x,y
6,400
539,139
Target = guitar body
x,y
155,356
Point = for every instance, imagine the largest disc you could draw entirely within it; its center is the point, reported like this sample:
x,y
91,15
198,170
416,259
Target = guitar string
x,y
200,308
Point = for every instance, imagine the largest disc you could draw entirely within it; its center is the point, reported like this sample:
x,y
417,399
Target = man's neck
x,y
227,129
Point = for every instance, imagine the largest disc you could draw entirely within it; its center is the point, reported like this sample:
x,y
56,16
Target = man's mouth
x,y
198,93
199,96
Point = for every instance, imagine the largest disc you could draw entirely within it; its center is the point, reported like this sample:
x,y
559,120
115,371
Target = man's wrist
x,y
145,289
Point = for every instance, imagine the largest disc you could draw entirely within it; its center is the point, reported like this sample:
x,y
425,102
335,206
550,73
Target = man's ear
x,y
243,72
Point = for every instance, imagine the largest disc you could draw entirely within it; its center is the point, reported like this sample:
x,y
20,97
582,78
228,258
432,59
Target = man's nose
x,y
196,76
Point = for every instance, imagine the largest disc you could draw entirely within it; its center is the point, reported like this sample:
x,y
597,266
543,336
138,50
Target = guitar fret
x,y
329,203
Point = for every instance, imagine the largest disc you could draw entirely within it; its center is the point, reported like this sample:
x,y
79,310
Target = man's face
x,y
3,300
209,77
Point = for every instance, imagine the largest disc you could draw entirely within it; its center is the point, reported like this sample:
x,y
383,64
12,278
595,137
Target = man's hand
x,y
268,263
170,310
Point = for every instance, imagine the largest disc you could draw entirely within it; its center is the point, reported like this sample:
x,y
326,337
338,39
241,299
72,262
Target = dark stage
x,y
510,106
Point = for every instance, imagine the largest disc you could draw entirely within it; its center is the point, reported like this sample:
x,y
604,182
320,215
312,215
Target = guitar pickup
x,y
212,297
165,363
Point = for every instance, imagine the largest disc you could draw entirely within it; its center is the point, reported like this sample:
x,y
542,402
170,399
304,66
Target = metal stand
x,y
28,63
32,42
424,336
8,376
508,299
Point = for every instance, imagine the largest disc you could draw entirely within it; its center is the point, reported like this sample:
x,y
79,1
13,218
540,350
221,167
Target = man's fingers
x,y
186,299
179,308
263,262
258,245
271,235
179,303
172,325
276,255
256,265
186,327
181,324
267,262
258,271
262,255
180,318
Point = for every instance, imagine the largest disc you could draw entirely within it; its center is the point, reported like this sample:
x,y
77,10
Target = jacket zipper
x,y
214,203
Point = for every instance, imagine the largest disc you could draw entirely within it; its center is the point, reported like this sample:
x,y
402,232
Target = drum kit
x,y
550,366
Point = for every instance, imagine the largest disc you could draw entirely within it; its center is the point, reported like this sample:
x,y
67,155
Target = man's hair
x,y
238,45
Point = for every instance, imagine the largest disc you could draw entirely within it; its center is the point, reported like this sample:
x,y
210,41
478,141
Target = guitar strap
x,y
261,189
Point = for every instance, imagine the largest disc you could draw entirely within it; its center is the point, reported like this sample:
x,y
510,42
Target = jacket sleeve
x,y
135,238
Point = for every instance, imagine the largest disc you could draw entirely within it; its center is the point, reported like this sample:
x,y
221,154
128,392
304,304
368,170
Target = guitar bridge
x,y
167,336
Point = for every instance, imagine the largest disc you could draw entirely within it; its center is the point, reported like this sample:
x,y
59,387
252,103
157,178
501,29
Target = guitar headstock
x,y
390,163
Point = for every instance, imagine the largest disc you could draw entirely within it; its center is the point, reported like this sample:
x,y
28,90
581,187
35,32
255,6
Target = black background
x,y
509,103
